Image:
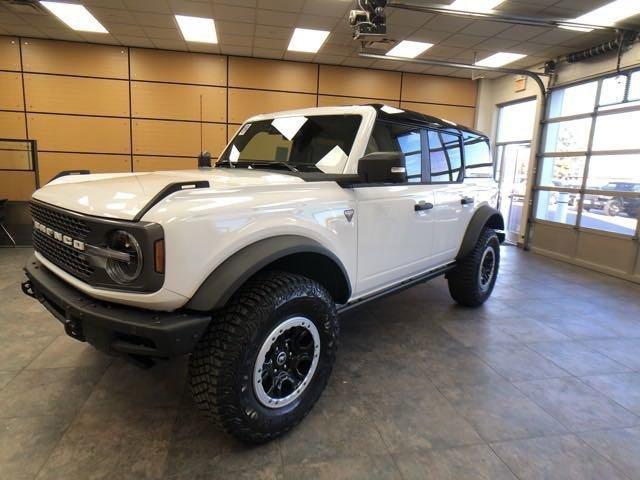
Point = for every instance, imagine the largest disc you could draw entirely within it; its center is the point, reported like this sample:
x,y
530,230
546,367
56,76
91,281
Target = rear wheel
x,y
267,357
613,208
473,279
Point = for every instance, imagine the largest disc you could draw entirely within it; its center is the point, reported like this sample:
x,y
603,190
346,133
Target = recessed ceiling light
x,y
475,5
306,40
499,59
197,29
76,16
409,49
607,15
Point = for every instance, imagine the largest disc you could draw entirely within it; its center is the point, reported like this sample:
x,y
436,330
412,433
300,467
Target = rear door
x,y
453,204
395,221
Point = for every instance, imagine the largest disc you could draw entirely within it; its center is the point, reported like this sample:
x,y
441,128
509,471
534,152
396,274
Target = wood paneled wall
x,y
112,109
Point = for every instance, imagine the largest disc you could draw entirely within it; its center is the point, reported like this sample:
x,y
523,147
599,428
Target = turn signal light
x,y
158,256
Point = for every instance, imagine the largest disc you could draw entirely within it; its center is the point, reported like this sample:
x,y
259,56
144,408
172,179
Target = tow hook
x,y
27,289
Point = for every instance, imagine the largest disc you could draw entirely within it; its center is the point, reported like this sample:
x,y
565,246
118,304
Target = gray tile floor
x,y
542,382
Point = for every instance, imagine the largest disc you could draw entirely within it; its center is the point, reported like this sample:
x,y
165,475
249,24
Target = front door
x,y
395,234
514,166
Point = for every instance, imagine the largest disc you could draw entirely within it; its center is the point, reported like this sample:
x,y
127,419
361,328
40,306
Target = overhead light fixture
x,y
499,59
197,29
307,40
475,5
76,16
409,49
606,15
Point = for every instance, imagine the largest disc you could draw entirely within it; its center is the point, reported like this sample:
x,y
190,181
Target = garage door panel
x,y
435,89
179,67
359,82
50,163
460,115
71,58
75,95
273,74
17,186
143,163
71,133
246,103
9,53
11,92
173,138
178,102
606,252
12,125
557,241
328,101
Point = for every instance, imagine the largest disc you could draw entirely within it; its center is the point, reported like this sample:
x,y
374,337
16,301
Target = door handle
x,y
467,200
419,207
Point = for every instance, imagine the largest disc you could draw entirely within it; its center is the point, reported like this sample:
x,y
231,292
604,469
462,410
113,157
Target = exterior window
x,y
313,143
608,199
571,136
477,157
516,122
395,137
445,158
573,100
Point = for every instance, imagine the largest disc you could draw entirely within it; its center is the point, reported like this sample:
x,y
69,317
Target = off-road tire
x,y
221,367
464,279
613,208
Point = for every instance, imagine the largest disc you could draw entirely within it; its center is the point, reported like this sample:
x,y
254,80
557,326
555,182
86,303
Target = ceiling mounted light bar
x,y
499,16
75,16
608,14
409,49
475,5
307,40
197,29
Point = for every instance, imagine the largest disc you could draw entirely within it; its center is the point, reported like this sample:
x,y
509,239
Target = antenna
x,y
204,158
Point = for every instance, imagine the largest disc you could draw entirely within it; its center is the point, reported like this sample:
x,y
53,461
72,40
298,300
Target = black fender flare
x,y
230,275
484,216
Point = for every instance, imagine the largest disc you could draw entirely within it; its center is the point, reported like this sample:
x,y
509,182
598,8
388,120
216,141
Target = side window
x,y
395,137
477,156
445,157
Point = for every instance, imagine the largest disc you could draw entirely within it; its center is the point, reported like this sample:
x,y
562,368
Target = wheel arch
x,y
484,216
290,253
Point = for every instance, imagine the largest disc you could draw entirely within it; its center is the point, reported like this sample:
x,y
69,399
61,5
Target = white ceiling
x,y
262,28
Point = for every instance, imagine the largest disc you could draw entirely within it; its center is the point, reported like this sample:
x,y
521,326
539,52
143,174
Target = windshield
x,y
298,143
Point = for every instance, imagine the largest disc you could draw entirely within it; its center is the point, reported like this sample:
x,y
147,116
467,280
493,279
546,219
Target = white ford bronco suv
x,y
245,266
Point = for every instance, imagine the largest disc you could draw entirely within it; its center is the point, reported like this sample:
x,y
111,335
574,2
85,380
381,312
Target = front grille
x,y
67,258
60,222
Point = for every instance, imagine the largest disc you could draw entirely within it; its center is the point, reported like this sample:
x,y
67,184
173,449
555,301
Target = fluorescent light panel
x,y
307,40
409,49
499,59
475,5
76,16
607,15
197,29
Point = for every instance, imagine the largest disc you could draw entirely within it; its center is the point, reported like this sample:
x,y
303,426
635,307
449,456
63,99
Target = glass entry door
x,y
513,162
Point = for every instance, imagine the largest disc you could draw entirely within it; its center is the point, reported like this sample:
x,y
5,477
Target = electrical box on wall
x,y
520,83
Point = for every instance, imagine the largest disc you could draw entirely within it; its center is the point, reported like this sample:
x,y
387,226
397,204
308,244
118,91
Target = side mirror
x,y
204,160
383,167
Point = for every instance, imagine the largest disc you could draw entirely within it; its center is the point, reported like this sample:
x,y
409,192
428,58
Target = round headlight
x,y
120,271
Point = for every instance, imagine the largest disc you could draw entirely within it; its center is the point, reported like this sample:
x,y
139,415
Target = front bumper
x,y
113,328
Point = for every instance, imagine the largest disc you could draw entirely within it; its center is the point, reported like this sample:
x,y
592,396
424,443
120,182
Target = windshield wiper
x,y
273,164
224,163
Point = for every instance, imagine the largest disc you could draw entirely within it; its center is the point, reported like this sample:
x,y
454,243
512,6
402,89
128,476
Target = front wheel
x,y
267,357
472,280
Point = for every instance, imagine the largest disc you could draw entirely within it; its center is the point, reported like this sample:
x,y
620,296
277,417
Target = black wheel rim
x,y
487,268
286,362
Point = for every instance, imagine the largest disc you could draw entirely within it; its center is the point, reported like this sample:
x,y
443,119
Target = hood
x,y
123,195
